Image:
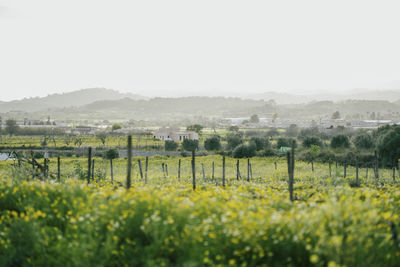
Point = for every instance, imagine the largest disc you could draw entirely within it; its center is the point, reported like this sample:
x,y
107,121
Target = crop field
x,y
163,222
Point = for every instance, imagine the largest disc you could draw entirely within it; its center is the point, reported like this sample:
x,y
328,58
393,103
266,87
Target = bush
x,y
340,141
309,141
260,143
286,142
244,151
212,143
170,145
190,145
364,141
233,141
111,154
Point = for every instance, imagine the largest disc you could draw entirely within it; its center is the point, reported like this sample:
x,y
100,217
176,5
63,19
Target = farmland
x,y
165,222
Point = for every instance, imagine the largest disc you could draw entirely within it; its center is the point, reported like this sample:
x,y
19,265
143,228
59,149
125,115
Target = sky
x,y
172,48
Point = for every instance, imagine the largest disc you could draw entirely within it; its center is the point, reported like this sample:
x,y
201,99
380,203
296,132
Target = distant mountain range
x,y
72,99
101,103
356,94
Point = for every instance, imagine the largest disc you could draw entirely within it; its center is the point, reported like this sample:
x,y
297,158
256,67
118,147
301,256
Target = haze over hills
x,y
356,94
71,99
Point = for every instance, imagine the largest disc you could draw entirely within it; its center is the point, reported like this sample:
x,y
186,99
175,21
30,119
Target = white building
x,y
175,134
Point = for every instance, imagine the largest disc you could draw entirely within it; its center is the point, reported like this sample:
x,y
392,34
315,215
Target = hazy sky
x,y
197,47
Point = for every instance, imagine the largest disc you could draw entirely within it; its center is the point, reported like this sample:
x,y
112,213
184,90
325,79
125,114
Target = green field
x,y
166,223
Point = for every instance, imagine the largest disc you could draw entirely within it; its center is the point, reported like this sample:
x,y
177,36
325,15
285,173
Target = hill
x,y
72,99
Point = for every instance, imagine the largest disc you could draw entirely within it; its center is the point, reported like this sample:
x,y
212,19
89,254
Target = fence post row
x,y
194,169
89,164
129,166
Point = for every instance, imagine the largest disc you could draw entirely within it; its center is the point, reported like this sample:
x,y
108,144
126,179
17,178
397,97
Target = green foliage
x,y
102,137
285,142
190,145
170,145
233,128
213,143
364,141
388,145
292,130
111,154
260,143
195,128
11,127
233,141
116,126
309,141
336,115
254,118
245,151
340,141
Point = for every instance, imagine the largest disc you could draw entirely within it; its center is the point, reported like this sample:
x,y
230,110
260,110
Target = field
x,y
166,223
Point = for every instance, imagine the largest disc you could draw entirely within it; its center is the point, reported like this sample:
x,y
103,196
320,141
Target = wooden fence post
x,y
237,170
290,161
89,164
276,166
93,170
194,169
179,170
204,173
129,166
344,169
58,169
140,169
251,173
357,181
330,169
223,171
146,169
112,170
44,168
166,169
213,170
248,169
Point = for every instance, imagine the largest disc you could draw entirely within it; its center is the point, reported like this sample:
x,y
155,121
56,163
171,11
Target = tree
x,y
254,118
78,141
11,127
309,141
233,128
364,141
102,137
116,126
111,154
292,130
273,132
244,151
285,142
170,145
190,145
260,143
233,141
212,143
195,128
340,141
336,115
388,145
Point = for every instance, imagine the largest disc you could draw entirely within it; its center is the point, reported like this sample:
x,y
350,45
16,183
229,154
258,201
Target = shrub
x,y
170,145
212,143
244,151
190,145
340,141
309,141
